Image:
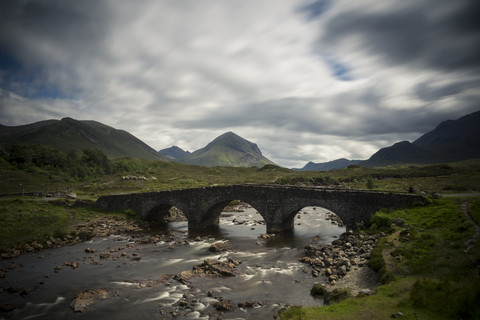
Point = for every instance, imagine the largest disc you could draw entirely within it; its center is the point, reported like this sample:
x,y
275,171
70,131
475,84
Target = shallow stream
x,y
269,274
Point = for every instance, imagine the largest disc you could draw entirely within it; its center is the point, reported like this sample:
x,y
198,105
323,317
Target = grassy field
x,y
428,273
461,177
23,221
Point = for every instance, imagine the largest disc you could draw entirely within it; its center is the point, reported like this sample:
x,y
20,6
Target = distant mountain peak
x,y
228,149
330,165
174,152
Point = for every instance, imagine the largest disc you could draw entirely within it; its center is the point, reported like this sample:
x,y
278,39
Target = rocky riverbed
x,y
238,273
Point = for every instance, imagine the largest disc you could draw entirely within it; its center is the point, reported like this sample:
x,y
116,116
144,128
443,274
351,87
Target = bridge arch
x,y
214,211
159,211
318,213
332,206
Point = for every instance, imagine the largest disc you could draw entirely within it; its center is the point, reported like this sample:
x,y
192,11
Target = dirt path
x,y
360,280
469,243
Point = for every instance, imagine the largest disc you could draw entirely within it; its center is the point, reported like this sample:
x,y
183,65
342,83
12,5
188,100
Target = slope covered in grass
x,y
431,274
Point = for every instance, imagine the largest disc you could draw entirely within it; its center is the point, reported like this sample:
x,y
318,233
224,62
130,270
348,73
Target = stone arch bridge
x,y
278,205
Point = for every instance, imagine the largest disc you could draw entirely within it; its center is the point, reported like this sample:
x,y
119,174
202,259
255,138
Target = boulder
x,y
225,306
85,298
342,270
7,307
104,255
220,246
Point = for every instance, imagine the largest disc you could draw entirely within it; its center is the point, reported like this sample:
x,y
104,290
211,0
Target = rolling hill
x,y
70,134
228,150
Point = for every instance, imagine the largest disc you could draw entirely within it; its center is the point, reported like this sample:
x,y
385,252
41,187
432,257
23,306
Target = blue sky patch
x,y
316,8
23,82
339,70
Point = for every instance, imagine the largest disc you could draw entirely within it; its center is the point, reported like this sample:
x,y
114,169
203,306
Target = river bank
x,y
100,227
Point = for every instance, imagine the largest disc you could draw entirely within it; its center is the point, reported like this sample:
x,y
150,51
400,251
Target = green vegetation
x,y
26,221
377,263
426,271
91,174
328,296
370,185
42,159
70,134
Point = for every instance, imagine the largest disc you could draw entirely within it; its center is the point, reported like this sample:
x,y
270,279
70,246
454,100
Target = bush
x,y
377,263
59,234
318,290
329,297
234,203
129,213
338,295
370,185
85,235
381,222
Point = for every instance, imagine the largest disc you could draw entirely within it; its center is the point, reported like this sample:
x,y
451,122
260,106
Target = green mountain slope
x,y
452,140
70,134
174,152
228,150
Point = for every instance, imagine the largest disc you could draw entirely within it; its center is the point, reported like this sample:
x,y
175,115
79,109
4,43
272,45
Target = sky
x,y
304,80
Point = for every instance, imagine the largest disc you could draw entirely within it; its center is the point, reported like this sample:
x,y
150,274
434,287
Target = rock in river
x,y
85,298
220,246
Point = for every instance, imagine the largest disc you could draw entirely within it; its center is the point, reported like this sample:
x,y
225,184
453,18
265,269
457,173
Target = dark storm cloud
x,y
429,91
305,79
437,34
334,116
40,33
357,114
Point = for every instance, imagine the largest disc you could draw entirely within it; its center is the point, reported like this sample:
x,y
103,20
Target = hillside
x,y
451,140
174,152
330,165
228,150
70,134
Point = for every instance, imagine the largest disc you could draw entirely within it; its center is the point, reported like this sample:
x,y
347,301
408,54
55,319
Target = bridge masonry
x,y
278,205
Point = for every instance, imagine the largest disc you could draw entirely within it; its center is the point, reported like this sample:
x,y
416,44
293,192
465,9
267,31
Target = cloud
x,y
305,80
437,34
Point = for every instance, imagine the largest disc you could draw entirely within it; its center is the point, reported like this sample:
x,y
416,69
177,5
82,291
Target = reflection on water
x,y
269,272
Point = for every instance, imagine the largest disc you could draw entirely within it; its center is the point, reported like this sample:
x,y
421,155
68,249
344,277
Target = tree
x,y
370,184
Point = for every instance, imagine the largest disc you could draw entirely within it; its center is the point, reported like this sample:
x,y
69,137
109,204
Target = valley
x,y
62,256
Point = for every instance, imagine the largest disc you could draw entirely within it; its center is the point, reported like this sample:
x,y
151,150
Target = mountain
x,y
174,152
454,140
68,134
331,165
229,150
451,140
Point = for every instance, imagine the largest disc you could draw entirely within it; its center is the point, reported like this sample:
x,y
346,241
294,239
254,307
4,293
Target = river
x,y
269,275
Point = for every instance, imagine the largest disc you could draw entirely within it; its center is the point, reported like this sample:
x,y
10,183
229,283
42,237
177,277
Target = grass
x,y
461,177
389,299
430,276
475,210
26,221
